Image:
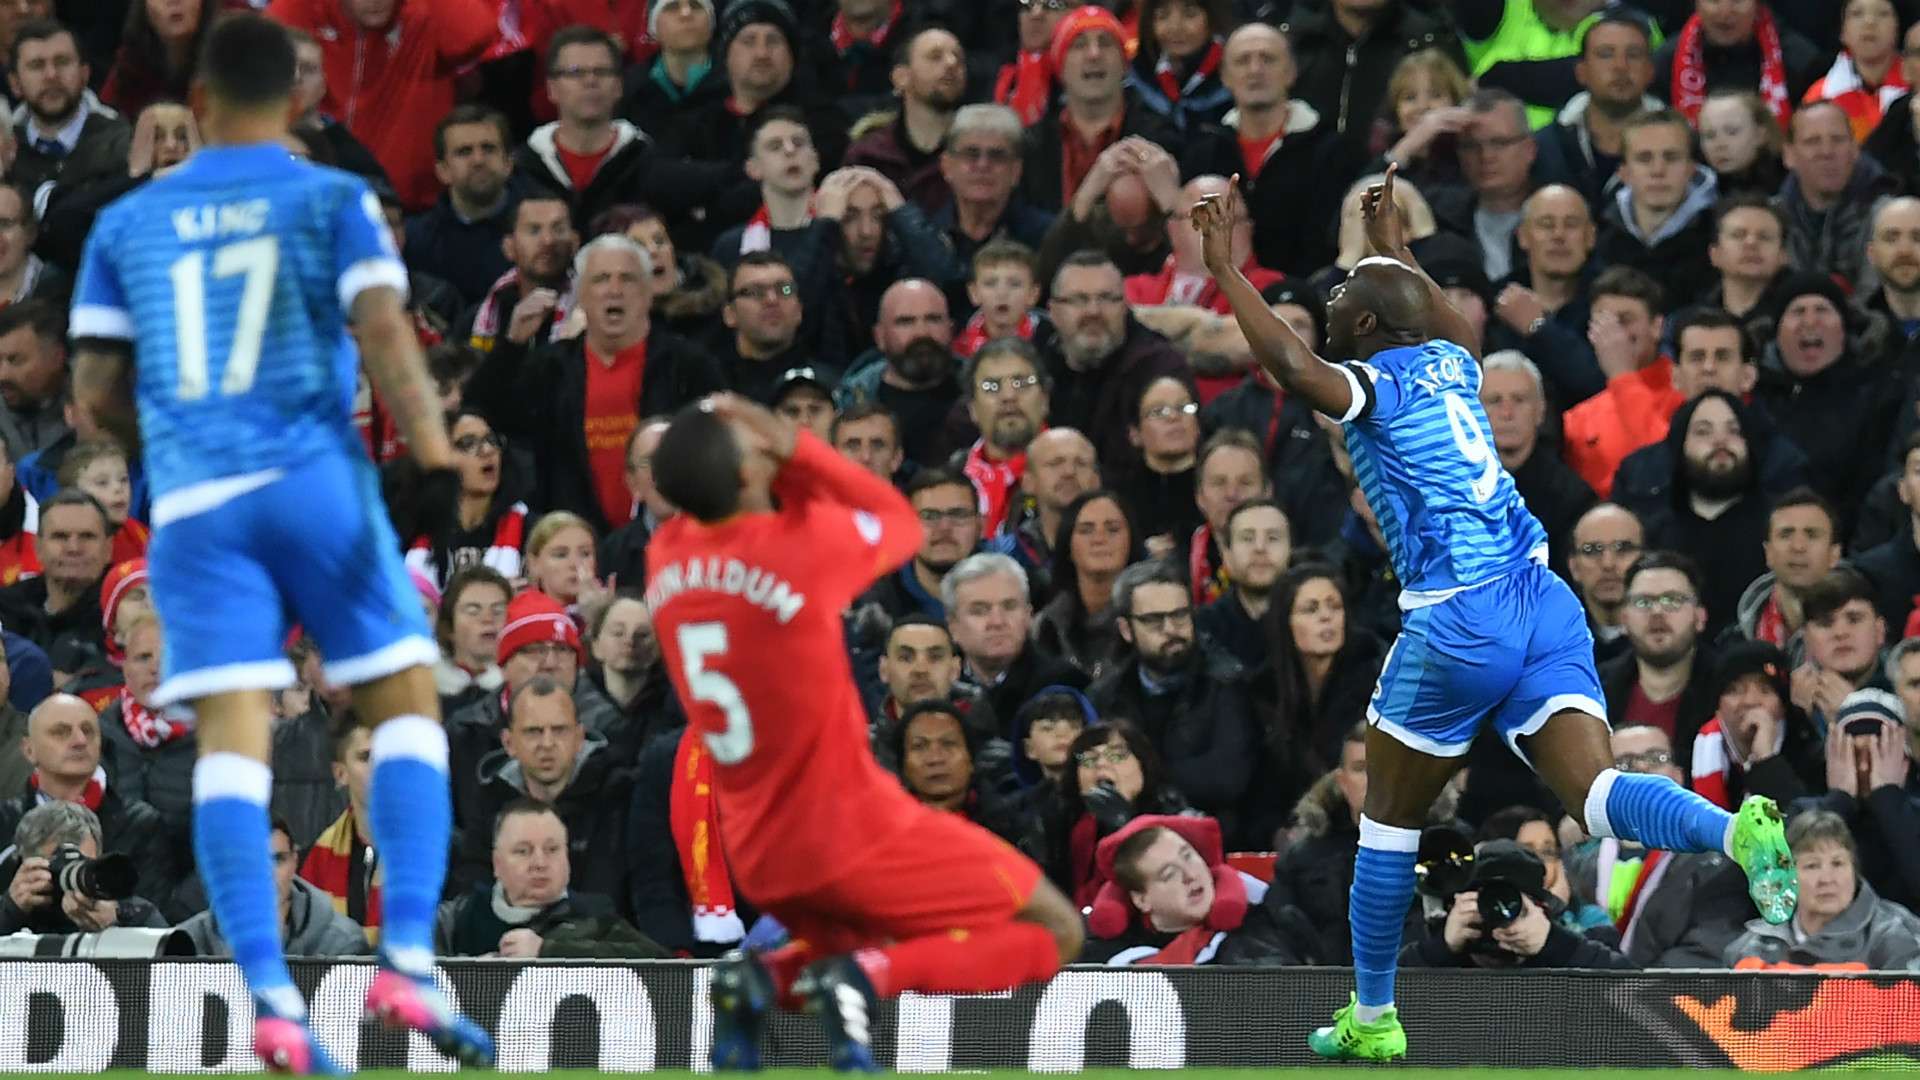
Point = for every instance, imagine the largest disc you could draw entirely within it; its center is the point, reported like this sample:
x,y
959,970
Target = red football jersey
x,y
748,615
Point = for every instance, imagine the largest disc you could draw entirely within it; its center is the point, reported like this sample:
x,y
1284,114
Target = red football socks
x,y
963,961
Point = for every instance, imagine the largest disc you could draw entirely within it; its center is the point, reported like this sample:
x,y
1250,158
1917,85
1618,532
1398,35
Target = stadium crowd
x,y
1139,641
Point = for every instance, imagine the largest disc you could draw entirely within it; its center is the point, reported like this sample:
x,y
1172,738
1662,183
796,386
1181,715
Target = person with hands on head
x,y
1873,785
1120,208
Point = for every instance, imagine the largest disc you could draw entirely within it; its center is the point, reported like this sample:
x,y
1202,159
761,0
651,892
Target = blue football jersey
x,y
231,278
1423,454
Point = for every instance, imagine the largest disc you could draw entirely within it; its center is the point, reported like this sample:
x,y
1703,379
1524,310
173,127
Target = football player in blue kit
x,y
1489,634
215,317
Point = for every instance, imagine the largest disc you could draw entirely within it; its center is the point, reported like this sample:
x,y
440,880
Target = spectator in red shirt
x,y
390,67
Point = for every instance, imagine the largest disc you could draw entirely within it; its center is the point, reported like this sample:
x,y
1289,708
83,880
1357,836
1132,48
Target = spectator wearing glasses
x,y
1097,541
1102,359
949,511
1159,486
763,315
1667,681
1192,703
1674,909
1025,83
1007,403
980,161
487,523
1115,775
1496,155
590,158
1758,742
929,77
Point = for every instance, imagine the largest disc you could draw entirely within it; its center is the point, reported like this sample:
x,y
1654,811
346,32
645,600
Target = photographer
x,y
1504,917
61,885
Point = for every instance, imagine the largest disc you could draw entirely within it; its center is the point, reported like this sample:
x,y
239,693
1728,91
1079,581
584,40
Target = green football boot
x,y
1759,845
1347,1039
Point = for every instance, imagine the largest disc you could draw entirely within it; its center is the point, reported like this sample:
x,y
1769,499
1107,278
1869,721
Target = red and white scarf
x,y
91,796
844,38
502,554
1690,68
1025,86
994,481
693,815
758,235
150,728
490,320
1170,84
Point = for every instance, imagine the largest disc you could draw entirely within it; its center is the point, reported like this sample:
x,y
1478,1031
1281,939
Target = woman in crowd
x,y
1158,483
1096,542
486,525
936,751
1741,143
1423,117
1117,775
158,52
1323,669
1840,920
1176,71
560,562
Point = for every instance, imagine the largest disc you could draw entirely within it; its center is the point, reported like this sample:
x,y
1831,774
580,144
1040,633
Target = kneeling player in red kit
x,y
880,893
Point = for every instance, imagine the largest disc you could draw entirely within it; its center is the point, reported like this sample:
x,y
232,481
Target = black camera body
x,y
109,877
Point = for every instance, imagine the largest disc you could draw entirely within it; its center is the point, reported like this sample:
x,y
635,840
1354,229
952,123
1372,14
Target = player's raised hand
x,y
771,434
1212,218
1386,226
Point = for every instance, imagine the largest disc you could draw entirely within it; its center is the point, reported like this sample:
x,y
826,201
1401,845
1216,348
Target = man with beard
x,y
1825,385
929,82
1845,638
65,133
1893,250
1101,360
1061,467
461,238
1007,402
949,512
575,402
1192,703
883,239
527,305
1667,681
33,375
1716,515
1545,301
1257,545
1516,405
763,311
911,369
1606,541
1801,546
1582,148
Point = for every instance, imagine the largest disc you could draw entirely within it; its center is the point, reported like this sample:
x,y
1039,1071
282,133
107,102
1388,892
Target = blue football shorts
x,y
1514,650
237,562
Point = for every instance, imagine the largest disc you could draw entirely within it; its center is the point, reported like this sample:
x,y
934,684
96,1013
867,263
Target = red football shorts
x,y
943,875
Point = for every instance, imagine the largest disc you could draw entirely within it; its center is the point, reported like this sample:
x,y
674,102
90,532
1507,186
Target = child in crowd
x,y
1004,290
99,468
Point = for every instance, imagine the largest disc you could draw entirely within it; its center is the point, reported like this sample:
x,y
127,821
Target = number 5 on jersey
x,y
257,260
698,641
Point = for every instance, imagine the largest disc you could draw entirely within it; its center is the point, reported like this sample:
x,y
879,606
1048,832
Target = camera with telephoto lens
x,y
109,877
1499,904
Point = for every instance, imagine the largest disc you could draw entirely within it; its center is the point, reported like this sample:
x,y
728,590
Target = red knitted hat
x,y
120,577
534,616
1077,22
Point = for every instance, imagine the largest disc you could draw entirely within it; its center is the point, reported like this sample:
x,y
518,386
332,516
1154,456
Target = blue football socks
x,y
1654,811
1377,909
412,811
232,844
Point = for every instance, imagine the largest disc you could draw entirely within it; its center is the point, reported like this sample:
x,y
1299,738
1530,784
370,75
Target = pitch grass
x,y
1306,1073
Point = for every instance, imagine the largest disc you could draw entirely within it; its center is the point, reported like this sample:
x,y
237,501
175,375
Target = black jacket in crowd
x,y
592,805
1295,198
538,398
634,170
1198,722
1884,826
1299,460
466,254
1043,173
1346,78
657,885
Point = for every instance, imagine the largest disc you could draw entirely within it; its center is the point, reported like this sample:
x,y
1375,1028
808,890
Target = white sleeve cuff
x,y
371,273
99,321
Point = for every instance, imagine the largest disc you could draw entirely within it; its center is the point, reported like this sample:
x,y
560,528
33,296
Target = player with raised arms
x,y
224,299
776,535
1489,634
